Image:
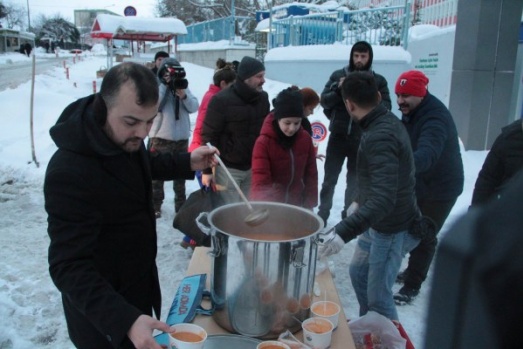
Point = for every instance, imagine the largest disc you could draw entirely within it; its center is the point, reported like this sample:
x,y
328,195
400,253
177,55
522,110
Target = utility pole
x,y
233,27
28,17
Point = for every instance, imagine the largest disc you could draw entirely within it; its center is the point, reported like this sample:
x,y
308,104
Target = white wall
x,y
432,51
311,66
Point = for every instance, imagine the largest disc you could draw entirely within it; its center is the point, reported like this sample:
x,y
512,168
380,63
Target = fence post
x,y
339,26
94,86
406,26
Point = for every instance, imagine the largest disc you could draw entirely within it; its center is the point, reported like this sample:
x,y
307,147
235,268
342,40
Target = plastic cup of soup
x,y
187,336
272,345
328,310
317,332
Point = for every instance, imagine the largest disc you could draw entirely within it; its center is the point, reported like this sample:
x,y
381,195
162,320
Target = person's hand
x,y
180,93
320,157
203,157
141,332
332,244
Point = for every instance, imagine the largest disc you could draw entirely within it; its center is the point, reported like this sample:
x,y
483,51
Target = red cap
x,y
412,82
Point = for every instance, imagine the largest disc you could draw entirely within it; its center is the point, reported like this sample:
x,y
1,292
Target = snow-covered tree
x,y
56,28
14,15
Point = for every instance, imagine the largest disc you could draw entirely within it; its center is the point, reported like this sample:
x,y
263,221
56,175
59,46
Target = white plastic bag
x,y
375,331
293,342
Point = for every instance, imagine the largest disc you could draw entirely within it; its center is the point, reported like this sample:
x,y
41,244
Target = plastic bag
x,y
375,331
293,342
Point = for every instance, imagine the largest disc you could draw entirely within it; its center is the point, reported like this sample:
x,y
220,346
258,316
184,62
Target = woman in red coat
x,y
223,77
283,161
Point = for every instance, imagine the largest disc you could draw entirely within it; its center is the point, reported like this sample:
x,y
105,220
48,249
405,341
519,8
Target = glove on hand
x,y
332,244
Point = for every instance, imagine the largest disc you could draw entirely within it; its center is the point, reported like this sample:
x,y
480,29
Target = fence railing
x,y
381,26
219,29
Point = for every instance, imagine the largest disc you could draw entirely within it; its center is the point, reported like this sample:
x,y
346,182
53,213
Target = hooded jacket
x,y
284,175
102,227
202,111
233,122
332,101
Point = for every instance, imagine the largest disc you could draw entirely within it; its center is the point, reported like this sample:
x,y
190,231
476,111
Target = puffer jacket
x,y
385,170
233,122
284,175
503,161
435,143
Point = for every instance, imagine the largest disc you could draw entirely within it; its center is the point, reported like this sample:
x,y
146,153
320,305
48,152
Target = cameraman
x,y
171,129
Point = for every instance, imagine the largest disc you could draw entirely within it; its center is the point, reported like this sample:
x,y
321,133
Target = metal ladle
x,y
254,218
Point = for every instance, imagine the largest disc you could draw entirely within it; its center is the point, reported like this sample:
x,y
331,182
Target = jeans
x,y
339,148
228,192
172,147
421,257
374,267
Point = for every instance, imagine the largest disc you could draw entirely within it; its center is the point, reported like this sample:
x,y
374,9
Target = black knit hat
x,y
249,67
288,104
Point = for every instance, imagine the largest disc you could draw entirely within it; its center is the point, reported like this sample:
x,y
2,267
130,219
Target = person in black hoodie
x,y
101,222
345,135
439,169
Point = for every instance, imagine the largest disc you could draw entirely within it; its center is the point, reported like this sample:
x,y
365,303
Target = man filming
x,y
171,129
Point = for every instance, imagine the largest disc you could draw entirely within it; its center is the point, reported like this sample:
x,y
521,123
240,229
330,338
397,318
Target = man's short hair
x,y
360,88
162,54
143,79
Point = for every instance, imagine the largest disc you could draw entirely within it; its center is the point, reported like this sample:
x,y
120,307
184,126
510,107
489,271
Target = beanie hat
x,y
310,97
161,54
249,67
288,104
412,82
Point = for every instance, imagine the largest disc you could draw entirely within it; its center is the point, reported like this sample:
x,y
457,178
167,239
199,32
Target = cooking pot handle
x,y
206,229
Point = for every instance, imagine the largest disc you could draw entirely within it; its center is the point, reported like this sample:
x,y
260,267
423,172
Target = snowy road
x,y
16,73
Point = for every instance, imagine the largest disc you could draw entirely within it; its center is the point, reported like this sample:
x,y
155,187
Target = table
x,y
341,338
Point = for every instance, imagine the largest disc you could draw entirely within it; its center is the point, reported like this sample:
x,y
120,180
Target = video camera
x,y
178,80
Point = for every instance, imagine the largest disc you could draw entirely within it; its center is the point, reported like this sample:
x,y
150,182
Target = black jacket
x,y
102,228
503,161
435,143
332,101
386,181
233,122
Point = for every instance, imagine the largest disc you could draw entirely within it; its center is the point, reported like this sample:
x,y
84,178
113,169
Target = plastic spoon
x,y
255,217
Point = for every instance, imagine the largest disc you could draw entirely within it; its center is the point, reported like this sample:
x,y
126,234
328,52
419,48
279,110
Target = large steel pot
x,y
262,277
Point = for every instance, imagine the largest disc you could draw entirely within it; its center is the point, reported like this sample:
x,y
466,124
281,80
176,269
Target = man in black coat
x,y
385,204
503,161
439,169
101,220
232,123
345,135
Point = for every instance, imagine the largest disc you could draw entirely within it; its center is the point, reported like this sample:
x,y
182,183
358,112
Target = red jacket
x,y
284,175
197,133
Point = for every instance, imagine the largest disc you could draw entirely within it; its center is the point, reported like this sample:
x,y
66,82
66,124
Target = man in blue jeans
x,y
385,209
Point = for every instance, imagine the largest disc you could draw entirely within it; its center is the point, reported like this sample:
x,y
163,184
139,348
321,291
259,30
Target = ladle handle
x,y
232,180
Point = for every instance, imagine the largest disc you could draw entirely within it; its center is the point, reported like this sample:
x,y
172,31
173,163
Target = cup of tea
x,y
272,345
187,336
317,332
328,310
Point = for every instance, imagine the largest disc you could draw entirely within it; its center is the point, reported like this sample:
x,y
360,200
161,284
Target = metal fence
x,y
380,26
220,29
